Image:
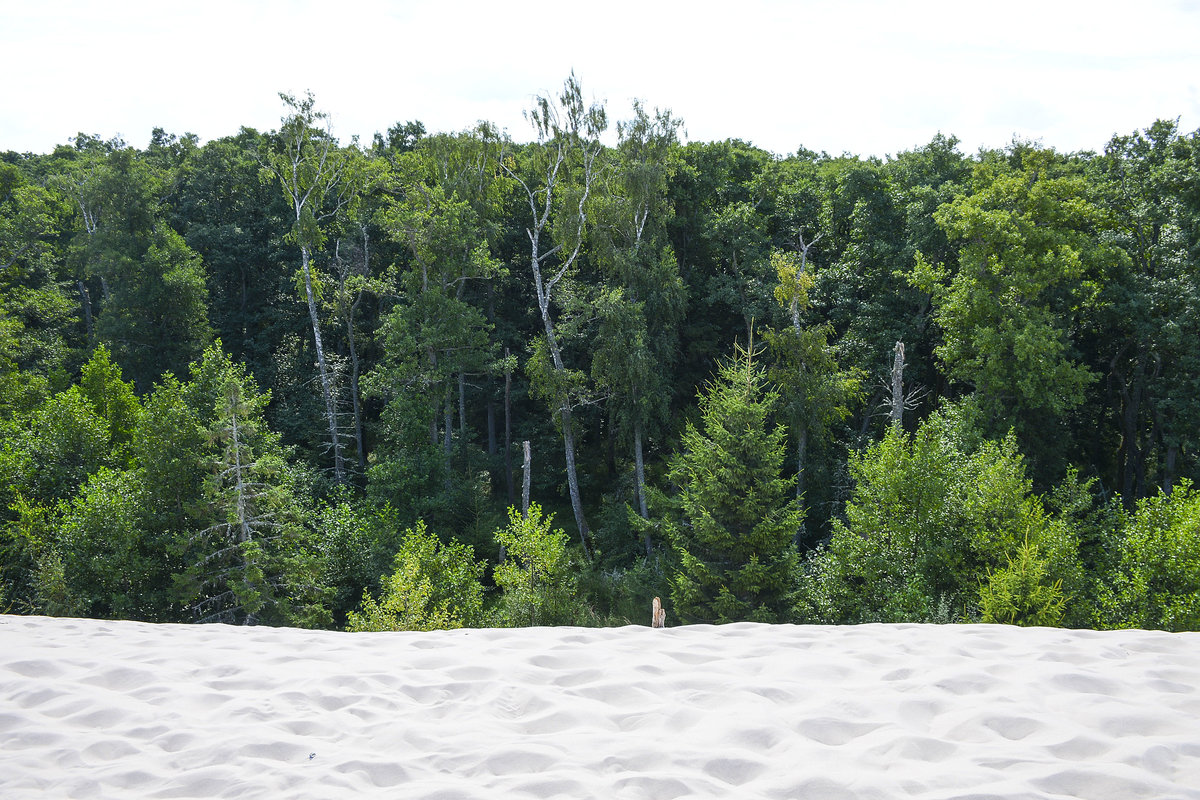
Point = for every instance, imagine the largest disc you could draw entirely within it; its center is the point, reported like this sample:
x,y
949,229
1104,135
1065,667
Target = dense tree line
x,y
279,378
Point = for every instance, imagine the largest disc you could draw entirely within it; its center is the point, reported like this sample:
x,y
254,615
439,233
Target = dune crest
x,y
121,709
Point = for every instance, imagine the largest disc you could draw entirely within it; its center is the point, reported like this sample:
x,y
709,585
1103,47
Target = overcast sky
x,y
861,76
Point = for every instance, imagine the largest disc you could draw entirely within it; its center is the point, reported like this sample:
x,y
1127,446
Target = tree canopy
x,y
278,378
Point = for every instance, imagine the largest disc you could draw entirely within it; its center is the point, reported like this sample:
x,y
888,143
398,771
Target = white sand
x,y
128,710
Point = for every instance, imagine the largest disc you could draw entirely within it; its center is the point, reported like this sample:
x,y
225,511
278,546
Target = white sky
x,y
869,77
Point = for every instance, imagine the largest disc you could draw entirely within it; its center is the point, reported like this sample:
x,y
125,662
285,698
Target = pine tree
x,y
256,561
735,545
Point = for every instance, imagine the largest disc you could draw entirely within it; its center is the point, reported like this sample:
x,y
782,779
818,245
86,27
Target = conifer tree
x,y
735,543
256,561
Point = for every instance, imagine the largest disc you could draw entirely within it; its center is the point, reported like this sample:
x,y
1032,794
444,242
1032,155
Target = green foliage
x,y
358,545
1157,582
155,318
930,518
30,566
1029,262
737,557
255,560
1019,594
623,595
1051,295
113,566
74,433
112,398
537,577
1150,181
67,441
434,586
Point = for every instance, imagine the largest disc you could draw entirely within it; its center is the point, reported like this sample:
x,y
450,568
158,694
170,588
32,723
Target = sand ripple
x,y
128,710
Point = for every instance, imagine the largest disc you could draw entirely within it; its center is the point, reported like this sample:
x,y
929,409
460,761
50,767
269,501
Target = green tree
x,y
537,578
1148,310
636,345
50,460
317,183
442,214
358,544
818,393
113,565
737,557
433,586
1030,261
932,516
255,560
36,316
1021,594
1157,581
155,317
564,171
77,432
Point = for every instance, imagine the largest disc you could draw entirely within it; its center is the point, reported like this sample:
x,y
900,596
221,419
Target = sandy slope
x,y
127,710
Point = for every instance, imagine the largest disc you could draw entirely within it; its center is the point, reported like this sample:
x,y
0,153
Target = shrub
x,y
434,586
1157,582
1021,594
537,578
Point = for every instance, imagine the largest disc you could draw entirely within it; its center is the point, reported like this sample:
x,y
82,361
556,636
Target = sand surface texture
x,y
127,710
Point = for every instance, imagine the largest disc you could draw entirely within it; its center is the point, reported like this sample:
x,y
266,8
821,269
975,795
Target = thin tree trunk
x,y
85,299
564,414
448,425
526,476
322,368
640,480
572,478
897,413
1133,479
1168,482
491,392
354,368
244,533
801,483
508,461
491,419
541,206
431,358
462,408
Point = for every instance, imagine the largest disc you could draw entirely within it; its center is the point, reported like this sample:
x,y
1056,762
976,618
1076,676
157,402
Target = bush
x,y
930,519
434,586
537,578
1157,582
1020,594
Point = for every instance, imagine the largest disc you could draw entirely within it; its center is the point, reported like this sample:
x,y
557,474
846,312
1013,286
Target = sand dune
x,y
128,710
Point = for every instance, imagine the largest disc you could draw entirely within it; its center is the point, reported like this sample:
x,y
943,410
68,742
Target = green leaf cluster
x,y
434,586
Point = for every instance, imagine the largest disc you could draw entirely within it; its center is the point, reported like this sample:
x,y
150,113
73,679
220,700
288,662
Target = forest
x,y
456,379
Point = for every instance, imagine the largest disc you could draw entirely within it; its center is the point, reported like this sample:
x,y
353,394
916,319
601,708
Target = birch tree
x,y
313,173
558,188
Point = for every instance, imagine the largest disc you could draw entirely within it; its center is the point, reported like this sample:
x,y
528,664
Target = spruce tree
x,y
737,557
256,561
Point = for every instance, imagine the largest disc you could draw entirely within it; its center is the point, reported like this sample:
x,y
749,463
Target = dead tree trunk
x,y
526,476
327,390
896,415
508,461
